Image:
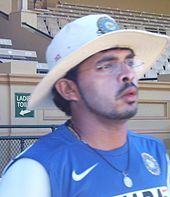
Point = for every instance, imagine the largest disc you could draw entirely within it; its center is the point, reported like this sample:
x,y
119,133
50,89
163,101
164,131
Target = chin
x,y
129,113
122,115
132,113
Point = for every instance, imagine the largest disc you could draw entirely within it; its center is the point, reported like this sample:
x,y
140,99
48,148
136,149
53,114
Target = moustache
x,y
125,87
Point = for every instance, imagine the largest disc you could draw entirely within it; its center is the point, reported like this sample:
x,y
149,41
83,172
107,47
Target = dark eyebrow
x,y
106,59
111,58
130,56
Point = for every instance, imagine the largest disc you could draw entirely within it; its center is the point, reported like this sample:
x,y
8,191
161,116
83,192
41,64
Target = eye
x,y
104,67
130,62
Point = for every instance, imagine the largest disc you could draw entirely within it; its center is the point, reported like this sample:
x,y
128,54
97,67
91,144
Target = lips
x,y
129,94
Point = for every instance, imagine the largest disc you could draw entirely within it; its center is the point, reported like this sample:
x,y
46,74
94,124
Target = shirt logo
x,y
79,177
151,164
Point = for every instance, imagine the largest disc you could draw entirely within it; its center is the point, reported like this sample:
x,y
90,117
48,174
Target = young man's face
x,y
107,84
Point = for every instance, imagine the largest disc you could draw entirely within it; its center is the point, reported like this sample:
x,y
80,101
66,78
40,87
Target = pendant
x,y
127,181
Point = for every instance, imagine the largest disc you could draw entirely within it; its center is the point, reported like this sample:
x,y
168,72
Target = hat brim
x,y
147,47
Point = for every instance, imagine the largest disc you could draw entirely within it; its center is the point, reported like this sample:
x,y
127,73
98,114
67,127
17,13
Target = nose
x,y
127,74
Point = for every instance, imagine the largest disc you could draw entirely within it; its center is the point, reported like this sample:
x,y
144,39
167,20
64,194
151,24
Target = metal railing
x,y
36,30
10,146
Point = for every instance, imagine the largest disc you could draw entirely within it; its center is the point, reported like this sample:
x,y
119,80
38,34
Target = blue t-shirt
x,y
75,170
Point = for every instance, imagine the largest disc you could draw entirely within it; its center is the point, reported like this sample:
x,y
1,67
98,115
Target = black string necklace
x,y
126,179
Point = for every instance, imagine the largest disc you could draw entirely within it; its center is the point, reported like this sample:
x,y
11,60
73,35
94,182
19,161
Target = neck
x,y
103,135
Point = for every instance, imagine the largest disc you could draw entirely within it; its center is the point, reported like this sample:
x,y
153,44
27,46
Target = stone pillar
x,y
24,4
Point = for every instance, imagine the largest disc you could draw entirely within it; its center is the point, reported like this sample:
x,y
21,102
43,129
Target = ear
x,y
67,89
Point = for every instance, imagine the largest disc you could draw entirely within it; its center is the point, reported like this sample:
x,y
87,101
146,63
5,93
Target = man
x,y
93,79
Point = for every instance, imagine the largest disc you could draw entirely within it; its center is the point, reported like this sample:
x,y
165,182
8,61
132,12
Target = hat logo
x,y
151,164
57,57
106,25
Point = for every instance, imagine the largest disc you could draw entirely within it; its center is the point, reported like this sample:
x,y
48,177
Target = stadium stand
x,y
52,21
5,43
8,54
12,54
126,18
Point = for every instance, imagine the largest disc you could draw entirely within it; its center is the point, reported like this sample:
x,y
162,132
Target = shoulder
x,y
147,137
58,140
146,140
51,147
26,177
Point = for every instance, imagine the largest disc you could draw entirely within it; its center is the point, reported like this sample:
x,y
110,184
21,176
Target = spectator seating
x,y
5,43
126,18
8,54
54,19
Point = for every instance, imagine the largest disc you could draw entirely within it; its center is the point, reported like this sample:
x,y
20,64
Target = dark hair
x,y
59,101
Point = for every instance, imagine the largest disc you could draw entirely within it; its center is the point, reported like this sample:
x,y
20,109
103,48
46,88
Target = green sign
x,y
21,101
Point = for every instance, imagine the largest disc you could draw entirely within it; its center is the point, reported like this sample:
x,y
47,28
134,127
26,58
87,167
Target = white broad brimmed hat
x,y
86,36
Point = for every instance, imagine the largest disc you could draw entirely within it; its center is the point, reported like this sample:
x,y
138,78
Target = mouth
x,y
129,95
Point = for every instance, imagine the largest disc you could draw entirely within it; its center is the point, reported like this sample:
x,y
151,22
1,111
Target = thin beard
x,y
111,115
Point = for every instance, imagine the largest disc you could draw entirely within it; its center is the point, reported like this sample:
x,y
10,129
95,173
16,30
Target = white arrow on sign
x,y
23,112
